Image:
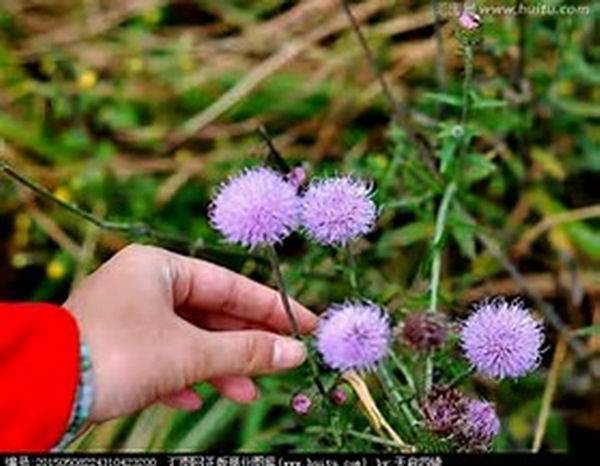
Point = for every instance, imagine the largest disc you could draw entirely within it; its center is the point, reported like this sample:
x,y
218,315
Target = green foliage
x,y
98,119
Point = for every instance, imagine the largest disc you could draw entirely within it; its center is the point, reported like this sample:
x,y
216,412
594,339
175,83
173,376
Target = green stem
x,y
440,225
136,230
285,300
351,268
405,372
356,434
395,396
439,53
468,78
428,373
460,377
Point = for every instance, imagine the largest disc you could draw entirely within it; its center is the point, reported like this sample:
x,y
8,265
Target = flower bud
x,y
469,20
425,331
338,396
301,403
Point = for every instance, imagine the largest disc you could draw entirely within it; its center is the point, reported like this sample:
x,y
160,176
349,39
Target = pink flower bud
x,y
338,396
469,20
301,403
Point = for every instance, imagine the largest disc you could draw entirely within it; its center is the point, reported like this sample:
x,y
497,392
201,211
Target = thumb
x,y
242,353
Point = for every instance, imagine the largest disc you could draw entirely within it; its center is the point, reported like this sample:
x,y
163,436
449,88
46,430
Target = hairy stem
x,y
467,81
400,111
285,301
351,268
136,230
405,372
394,395
440,70
440,226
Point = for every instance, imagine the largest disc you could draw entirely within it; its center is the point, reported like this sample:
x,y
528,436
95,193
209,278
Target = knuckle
x,y
274,307
231,297
258,353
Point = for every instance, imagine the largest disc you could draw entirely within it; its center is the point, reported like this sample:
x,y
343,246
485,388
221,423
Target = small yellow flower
x,y
183,155
565,88
87,79
63,194
152,16
48,65
55,270
22,222
135,65
380,161
19,260
519,427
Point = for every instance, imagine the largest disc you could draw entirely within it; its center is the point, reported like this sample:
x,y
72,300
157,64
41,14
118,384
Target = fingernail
x,y
288,353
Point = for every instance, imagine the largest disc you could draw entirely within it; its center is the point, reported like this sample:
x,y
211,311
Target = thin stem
x,y
351,268
285,300
437,256
468,78
522,31
394,395
360,435
400,111
551,383
137,229
405,372
428,373
460,377
439,43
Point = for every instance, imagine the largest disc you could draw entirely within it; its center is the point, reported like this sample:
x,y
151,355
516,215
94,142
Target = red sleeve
x,y
39,373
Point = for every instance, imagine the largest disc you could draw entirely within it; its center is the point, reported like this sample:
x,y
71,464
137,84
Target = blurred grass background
x,y
136,109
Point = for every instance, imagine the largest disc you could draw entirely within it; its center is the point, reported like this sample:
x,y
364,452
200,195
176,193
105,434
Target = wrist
x,y
80,412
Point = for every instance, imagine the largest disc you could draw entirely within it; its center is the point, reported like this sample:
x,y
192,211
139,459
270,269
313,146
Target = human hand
x,y
156,322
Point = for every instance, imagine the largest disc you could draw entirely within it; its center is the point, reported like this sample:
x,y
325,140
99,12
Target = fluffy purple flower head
x,y
301,403
502,339
481,423
338,210
256,208
443,409
354,336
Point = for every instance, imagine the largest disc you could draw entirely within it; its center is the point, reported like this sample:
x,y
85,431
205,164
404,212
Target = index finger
x,y
208,287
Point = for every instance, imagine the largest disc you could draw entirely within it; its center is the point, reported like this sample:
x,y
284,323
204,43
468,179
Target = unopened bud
x,y
301,404
338,396
425,331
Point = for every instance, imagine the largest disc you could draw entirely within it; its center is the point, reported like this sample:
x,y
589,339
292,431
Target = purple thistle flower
x,y
501,338
443,409
354,336
338,210
480,424
425,331
256,208
301,403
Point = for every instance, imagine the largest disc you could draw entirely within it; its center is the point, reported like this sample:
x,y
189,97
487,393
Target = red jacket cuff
x,y
39,375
